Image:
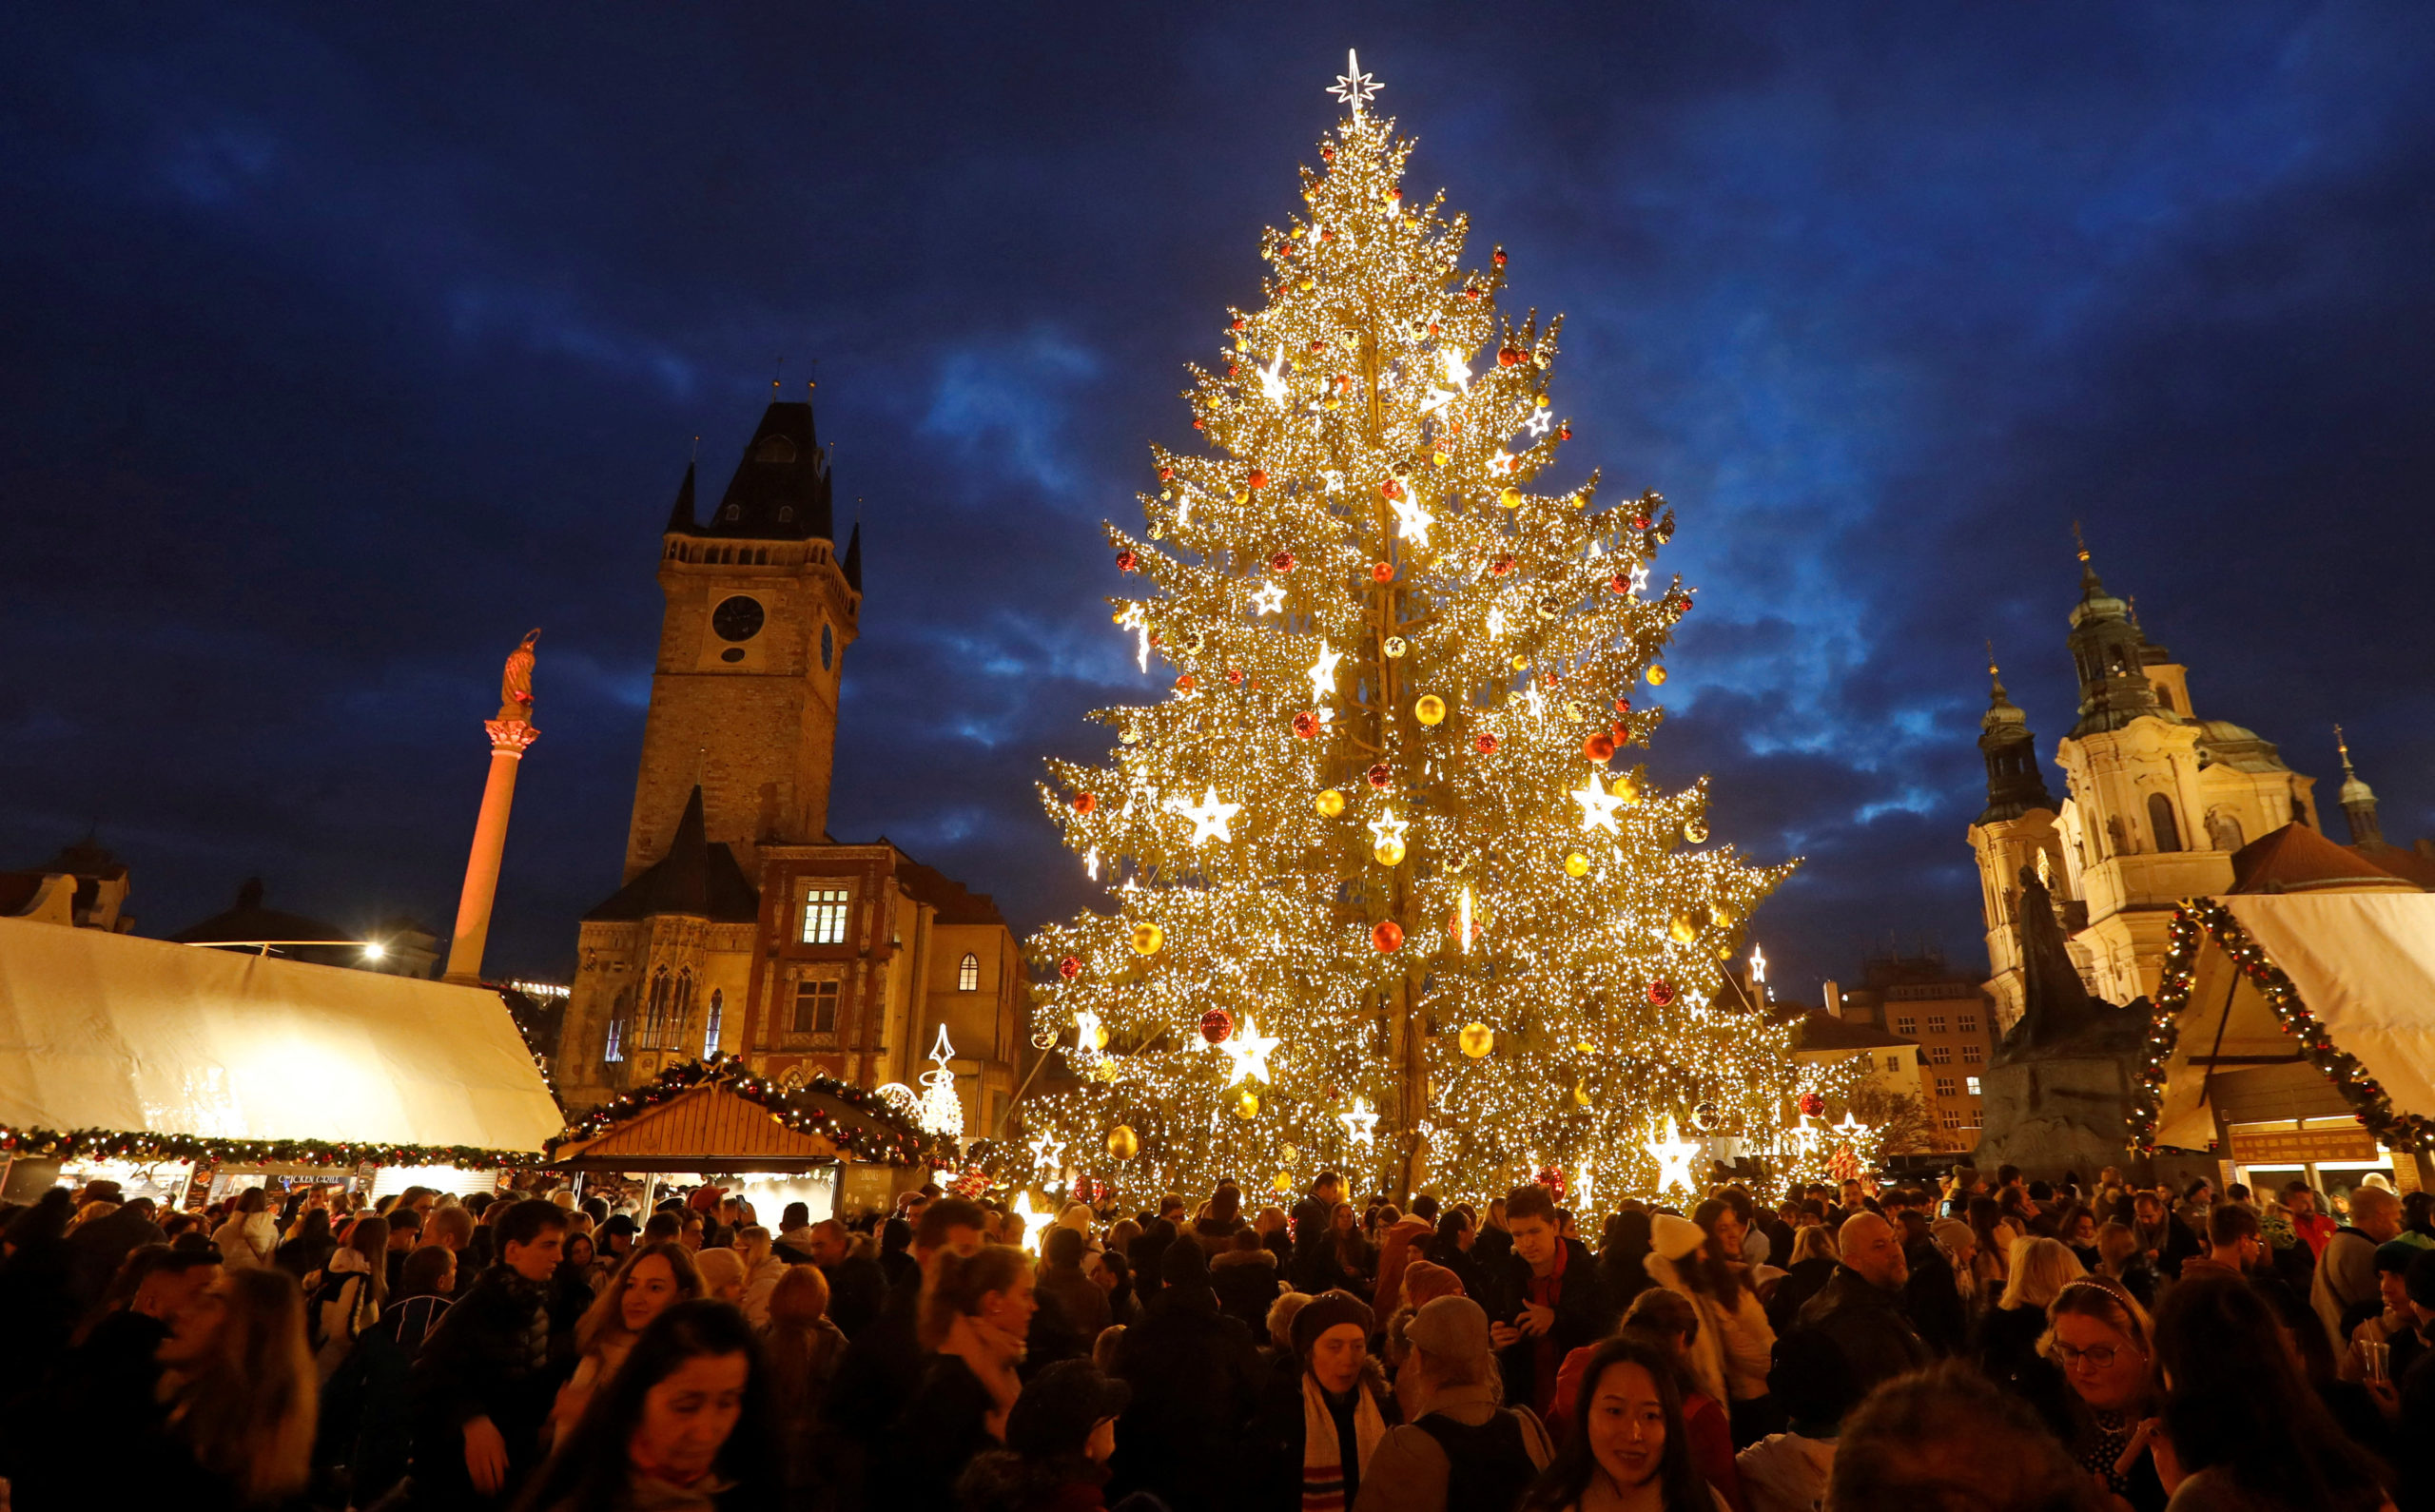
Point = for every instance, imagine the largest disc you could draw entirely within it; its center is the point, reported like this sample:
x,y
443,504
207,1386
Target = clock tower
x,y
760,607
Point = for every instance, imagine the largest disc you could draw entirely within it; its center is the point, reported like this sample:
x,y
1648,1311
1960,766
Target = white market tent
x,y
108,1033
2324,997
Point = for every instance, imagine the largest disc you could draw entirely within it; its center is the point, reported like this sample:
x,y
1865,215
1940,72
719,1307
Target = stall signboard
x,y
2302,1147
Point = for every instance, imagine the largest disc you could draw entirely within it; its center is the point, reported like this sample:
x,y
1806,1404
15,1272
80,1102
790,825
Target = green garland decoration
x,y
2198,919
144,1147
906,1145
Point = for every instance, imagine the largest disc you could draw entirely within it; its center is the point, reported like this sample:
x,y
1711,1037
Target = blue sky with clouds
x,y
342,345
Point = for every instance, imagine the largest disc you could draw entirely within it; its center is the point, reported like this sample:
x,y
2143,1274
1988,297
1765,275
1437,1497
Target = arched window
x,y
2164,696
613,1045
2161,823
968,974
680,1011
654,1012
711,1029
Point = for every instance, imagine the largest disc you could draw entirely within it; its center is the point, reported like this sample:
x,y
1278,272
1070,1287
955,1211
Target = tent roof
x,y
109,1032
2296,858
720,1116
2359,966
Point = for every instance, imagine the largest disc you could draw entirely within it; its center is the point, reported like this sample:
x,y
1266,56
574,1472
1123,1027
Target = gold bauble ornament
x,y
1520,662
1394,646
1282,1183
1431,709
1682,929
1656,677
1287,1154
1477,1039
1539,399
1147,938
1725,951
1576,864
1104,1071
1510,497
1388,852
1329,803
1440,458
1628,788
1124,1143
1247,1106
1694,831
1725,916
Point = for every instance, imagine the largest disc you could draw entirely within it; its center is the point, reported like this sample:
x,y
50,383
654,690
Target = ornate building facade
x,y
2157,800
742,927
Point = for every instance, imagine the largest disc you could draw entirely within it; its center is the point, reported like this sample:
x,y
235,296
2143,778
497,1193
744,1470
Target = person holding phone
x,y
1549,1301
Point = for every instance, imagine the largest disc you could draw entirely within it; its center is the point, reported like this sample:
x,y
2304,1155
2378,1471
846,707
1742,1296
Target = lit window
x,y
815,1008
968,974
1944,1086
1906,1025
615,1049
1973,1085
711,1030
1935,1023
824,915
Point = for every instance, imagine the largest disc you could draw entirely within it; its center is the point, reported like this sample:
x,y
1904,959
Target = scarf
x,y
1322,1455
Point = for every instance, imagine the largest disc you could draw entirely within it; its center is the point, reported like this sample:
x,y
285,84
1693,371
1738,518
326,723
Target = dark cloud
x,y
343,345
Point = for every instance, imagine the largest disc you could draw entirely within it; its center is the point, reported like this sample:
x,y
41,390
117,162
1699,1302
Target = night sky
x,y
340,344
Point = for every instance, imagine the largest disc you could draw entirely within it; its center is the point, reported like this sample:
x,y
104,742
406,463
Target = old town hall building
x,y
742,927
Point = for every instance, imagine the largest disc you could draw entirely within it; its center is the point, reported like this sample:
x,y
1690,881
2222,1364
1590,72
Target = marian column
x,y
511,732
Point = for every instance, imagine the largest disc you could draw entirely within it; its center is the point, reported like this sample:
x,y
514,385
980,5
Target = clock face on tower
x,y
738,618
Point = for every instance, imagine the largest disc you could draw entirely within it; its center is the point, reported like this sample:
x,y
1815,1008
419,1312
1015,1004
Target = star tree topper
x,y
1352,87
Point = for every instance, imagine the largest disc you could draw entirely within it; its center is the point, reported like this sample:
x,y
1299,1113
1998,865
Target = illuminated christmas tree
x,y
1384,899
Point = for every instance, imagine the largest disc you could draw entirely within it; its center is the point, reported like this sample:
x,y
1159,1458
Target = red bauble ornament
x,y
1812,1104
1070,967
1084,803
1382,777
1281,562
1234,675
1238,323
1306,723
1166,475
1197,426
1126,561
1434,329
1640,522
1501,566
1391,489
1470,294
1216,1024
1508,356
1553,1179
1621,731
1622,705
1232,371
1619,584
1186,683
1383,571
1564,432
1486,745
1258,478
1599,748
1388,938
1500,257
1660,993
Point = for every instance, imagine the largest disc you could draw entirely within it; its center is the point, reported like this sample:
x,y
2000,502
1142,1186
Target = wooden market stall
x,y
157,1063
834,1147
2294,1030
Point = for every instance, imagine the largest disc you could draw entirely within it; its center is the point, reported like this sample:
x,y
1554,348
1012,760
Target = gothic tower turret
x,y
2358,800
2014,786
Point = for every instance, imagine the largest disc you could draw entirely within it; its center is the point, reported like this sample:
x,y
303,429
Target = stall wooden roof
x,y
704,1128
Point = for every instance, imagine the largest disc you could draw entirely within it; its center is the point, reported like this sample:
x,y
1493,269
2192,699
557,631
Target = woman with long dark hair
x,y
1622,1254
976,1313
2241,1425
240,1399
1627,1448
685,1423
345,1295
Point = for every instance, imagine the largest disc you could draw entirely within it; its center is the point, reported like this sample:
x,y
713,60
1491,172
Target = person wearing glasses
x,y
2098,1389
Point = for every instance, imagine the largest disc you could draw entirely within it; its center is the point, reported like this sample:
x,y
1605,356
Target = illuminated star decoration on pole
x,y
1210,818
1270,599
1271,379
1360,1125
1387,828
1352,87
1249,1051
1048,1155
1412,522
1597,805
1673,1155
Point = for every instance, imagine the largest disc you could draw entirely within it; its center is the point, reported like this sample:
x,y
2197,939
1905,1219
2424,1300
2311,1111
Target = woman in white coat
x,y
1731,1356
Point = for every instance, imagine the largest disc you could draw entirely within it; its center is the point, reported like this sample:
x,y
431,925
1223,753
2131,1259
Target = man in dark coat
x,y
1244,1277
1860,1309
1548,1301
882,1365
1929,1298
98,1249
1314,1268
481,1387
1194,1374
857,1287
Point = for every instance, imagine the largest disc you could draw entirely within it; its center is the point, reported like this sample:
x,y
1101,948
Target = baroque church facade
x,y
741,927
2157,800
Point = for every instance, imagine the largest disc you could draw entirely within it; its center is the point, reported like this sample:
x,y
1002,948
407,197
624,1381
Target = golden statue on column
x,y
511,734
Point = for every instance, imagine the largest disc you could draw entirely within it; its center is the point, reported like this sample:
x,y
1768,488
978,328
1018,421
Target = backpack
x,y
330,1291
1488,1465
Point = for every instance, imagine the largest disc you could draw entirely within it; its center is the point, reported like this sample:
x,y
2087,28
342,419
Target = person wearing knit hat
x,y
1459,1446
1059,1436
1694,1258
1425,1282
1322,1415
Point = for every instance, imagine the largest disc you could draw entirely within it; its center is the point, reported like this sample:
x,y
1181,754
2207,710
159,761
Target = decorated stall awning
x,y
112,1046
2344,981
719,1116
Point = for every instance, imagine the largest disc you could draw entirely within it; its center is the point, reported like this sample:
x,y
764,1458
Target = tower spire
x,y
2358,802
2014,784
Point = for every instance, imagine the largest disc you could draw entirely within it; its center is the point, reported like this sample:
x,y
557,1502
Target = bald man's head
x,y
1871,1247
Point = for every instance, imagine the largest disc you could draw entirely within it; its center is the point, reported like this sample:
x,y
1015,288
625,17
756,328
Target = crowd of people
x,y
1984,1342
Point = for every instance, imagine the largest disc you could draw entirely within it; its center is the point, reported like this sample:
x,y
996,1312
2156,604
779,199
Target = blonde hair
x,y
606,1318
1813,1243
2109,1302
247,1408
754,1244
2040,1269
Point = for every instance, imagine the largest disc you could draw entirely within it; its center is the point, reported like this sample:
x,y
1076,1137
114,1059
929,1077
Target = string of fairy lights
x,y
1378,813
